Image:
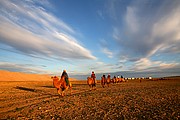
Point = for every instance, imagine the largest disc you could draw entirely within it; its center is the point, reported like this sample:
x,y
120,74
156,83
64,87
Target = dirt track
x,y
130,100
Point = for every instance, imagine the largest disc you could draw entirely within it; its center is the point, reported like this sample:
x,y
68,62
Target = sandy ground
x,y
129,100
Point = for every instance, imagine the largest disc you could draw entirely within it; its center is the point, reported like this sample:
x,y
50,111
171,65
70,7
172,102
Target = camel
x,y
61,86
108,81
114,80
103,81
91,82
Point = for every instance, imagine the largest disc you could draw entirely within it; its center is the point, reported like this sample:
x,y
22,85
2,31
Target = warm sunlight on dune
x,y
18,76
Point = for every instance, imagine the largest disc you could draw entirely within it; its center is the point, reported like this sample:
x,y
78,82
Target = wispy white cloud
x,y
102,67
167,31
144,35
29,12
107,52
131,19
31,44
23,68
104,46
149,29
32,30
145,64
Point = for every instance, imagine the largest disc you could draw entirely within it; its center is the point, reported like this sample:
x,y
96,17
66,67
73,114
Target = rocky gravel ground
x,y
128,100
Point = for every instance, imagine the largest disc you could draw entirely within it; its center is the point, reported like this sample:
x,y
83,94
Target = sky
x,y
81,36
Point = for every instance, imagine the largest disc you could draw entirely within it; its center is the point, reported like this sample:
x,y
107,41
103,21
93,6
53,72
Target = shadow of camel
x,y
34,90
26,89
48,86
44,93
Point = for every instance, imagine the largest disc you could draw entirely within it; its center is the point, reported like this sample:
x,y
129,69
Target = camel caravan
x,y
63,84
108,80
104,81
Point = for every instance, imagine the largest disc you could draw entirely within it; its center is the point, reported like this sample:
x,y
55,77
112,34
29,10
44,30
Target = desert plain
x,y
36,100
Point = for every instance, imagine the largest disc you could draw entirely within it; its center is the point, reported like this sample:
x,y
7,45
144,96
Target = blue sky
x,y
81,36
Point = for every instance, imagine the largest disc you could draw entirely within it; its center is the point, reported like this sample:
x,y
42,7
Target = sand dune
x,y
18,76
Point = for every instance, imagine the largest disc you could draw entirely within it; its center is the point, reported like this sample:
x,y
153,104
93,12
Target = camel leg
x,y
67,88
103,85
70,90
90,87
70,86
59,92
63,93
94,87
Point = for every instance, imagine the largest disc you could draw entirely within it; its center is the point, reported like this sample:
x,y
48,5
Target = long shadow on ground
x,y
25,88
48,86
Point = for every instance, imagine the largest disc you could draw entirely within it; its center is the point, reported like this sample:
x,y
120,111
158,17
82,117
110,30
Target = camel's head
x,y
56,81
54,77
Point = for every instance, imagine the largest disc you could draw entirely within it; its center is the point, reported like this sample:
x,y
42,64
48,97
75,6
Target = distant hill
x,y
19,76
172,77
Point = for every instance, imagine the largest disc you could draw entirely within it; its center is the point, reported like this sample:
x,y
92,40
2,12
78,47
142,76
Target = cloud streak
x,y
32,30
105,49
23,68
145,36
